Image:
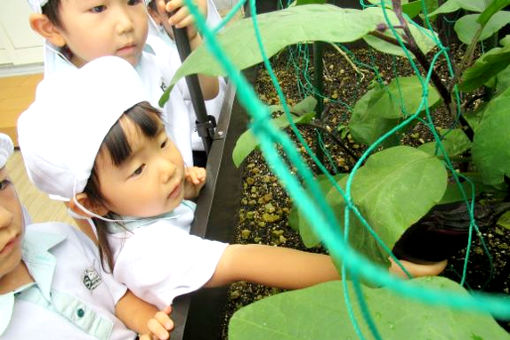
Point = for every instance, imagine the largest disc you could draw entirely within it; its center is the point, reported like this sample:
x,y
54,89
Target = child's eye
x,y
98,9
164,143
138,170
4,184
134,2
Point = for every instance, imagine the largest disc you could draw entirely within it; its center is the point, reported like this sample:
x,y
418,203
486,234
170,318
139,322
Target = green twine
x,y
314,207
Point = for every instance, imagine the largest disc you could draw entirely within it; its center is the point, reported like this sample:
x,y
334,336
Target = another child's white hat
x,y
61,133
6,149
37,5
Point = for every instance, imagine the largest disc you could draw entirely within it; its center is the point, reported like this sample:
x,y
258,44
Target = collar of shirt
x,y
130,223
41,265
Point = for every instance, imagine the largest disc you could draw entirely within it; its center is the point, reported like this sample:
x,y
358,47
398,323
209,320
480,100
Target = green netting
x,y
311,201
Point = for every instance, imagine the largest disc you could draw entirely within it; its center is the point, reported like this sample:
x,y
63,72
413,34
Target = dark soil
x,y
265,205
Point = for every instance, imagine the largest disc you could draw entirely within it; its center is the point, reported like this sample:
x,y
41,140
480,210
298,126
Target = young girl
x,y
51,282
110,155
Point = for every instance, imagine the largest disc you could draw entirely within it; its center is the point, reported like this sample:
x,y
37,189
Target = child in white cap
x,y
52,285
78,31
111,157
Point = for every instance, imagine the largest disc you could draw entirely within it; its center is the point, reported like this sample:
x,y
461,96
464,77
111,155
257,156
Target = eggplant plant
x,y
394,185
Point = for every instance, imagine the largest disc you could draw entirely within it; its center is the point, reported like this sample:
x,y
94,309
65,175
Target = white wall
x,y
19,45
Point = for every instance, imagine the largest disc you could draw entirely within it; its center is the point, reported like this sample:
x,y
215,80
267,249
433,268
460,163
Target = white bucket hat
x,y
61,133
6,149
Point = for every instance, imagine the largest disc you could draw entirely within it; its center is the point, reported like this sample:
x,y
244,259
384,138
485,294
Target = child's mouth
x,y
9,245
175,192
126,50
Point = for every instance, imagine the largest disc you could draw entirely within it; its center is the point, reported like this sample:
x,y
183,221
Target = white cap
x,y
6,149
61,133
37,5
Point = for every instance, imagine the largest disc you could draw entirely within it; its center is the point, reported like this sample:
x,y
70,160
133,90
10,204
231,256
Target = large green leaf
x,y
394,189
367,126
380,108
467,26
493,8
453,193
485,67
455,5
299,223
283,28
454,143
496,104
422,36
247,141
319,312
491,145
279,29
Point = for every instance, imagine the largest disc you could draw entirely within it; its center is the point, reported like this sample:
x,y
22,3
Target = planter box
x,y
199,315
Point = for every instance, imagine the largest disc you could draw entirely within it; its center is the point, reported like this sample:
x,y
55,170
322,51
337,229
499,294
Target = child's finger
x,y
164,320
173,5
157,329
181,18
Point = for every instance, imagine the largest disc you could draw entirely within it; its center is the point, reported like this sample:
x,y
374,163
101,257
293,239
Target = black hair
x,y
153,5
51,10
148,120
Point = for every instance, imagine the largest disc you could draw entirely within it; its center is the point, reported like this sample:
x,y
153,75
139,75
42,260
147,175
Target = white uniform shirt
x,y
157,258
71,298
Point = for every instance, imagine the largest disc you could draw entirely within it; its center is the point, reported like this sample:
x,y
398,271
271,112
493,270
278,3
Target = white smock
x,y
71,296
157,258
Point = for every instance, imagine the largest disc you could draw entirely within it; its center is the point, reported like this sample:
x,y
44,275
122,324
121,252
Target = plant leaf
x,y
424,41
394,189
279,29
247,142
306,105
485,67
454,143
455,5
504,220
453,194
309,2
491,151
467,26
300,224
319,312
380,108
494,7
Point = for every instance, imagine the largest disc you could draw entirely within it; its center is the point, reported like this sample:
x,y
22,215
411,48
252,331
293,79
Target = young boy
x,y
78,31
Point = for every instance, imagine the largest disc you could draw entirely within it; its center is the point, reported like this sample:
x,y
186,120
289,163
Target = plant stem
x,y
318,52
335,138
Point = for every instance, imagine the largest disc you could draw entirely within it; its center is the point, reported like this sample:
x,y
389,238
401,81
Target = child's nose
x,y
5,218
124,22
167,169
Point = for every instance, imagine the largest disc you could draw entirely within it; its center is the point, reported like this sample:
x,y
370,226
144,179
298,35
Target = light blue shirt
x,y
70,295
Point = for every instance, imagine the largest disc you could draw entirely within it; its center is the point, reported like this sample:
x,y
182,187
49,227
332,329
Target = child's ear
x,y
42,25
85,202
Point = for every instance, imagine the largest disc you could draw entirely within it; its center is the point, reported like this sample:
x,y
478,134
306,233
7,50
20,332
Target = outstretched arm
x,y
273,266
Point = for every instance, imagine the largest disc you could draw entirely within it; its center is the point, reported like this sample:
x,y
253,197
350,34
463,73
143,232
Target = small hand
x,y
195,180
180,15
160,325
